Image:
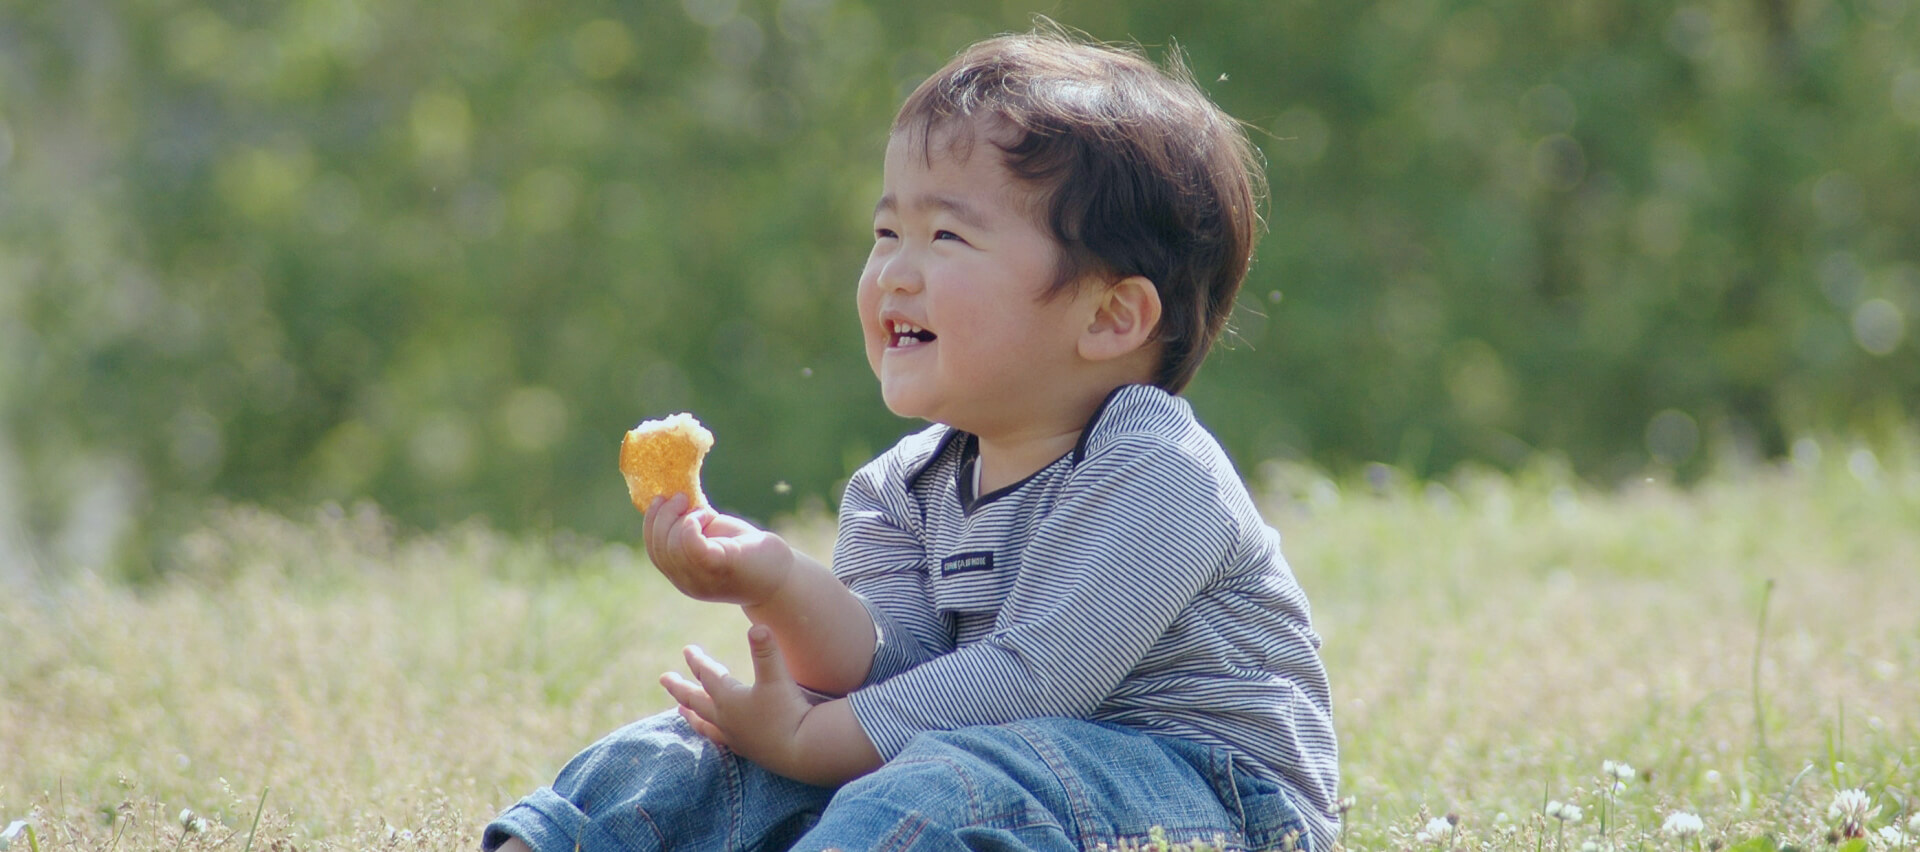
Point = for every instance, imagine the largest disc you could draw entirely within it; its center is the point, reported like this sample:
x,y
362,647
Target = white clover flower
x,y
1851,809
1891,837
1913,825
1683,825
1852,805
1621,772
1438,828
1563,811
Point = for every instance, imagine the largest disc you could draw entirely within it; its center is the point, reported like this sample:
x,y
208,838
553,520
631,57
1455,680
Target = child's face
x,y
950,299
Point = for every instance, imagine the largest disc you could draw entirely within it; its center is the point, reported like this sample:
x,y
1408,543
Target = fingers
x,y
675,503
716,525
703,727
769,667
674,538
697,705
654,529
712,674
689,695
661,515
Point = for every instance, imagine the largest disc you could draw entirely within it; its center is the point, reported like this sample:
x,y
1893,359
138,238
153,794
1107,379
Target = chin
x,y
901,407
906,403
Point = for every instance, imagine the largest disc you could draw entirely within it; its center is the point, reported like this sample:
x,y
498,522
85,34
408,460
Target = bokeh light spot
x,y
710,13
347,459
1879,326
262,181
1660,226
1864,465
1481,389
1672,436
442,448
1806,454
1303,136
533,417
602,48
442,128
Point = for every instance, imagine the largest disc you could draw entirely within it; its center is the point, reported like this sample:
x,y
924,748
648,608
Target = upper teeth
x,y
900,327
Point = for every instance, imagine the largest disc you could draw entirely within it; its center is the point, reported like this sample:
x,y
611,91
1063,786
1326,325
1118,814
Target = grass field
x,y
1750,646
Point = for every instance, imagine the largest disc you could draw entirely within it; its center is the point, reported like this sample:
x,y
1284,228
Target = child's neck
x,y
1011,452
1002,462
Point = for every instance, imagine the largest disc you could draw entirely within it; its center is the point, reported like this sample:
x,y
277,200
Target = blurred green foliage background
x,y
443,254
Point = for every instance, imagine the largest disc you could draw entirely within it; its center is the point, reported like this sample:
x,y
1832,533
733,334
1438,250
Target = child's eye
x,y
947,235
883,233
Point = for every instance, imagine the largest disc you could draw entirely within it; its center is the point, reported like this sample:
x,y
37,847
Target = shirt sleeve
x,y
883,561
1140,533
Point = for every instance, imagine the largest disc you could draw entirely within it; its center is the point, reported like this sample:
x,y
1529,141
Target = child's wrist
x,y
775,598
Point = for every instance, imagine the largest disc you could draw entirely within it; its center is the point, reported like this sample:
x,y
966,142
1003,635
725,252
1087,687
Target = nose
x,y
900,272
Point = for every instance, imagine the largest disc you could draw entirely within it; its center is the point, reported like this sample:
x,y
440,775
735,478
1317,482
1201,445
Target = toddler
x,y
1054,619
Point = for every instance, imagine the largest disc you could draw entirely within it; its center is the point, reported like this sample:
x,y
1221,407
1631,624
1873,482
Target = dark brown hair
x,y
1136,171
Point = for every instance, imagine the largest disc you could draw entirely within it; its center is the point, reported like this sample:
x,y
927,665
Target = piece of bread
x,y
661,458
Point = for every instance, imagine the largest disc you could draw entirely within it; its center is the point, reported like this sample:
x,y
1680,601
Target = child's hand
x,y
713,557
770,722
760,722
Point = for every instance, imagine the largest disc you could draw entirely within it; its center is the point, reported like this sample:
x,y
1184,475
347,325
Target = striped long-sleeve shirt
x,y
1131,581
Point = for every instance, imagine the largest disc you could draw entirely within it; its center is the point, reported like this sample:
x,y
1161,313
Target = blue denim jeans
x,y
1040,784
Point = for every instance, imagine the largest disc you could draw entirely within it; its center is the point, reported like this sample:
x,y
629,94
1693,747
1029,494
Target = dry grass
x,y
1491,644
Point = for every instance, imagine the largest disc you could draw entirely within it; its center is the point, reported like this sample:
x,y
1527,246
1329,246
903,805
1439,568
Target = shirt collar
x,y
948,441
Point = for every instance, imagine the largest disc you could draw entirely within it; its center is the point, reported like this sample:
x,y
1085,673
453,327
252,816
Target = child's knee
x,y
951,784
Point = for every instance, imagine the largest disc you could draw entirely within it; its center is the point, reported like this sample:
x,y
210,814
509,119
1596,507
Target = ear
x,y
1125,315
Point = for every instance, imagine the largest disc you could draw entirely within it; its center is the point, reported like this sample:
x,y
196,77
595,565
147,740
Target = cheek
x,y
866,296
866,300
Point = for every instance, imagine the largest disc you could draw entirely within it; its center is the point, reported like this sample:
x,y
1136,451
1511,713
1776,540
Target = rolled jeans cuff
x,y
547,822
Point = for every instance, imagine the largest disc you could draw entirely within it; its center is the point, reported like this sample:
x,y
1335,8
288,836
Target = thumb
x,y
768,665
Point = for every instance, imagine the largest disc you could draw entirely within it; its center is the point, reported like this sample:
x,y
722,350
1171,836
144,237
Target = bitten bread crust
x,y
660,458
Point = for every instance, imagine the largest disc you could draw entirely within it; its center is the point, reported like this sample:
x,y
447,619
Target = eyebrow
x,y
959,209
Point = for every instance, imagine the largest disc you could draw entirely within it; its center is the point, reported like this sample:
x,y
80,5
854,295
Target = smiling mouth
x,y
905,334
